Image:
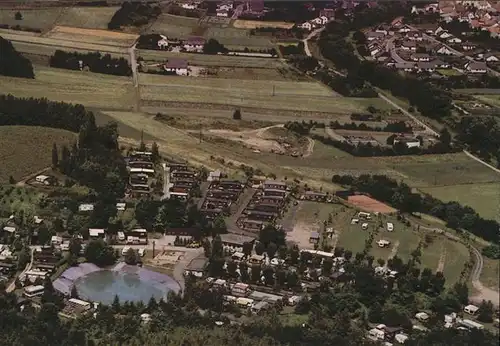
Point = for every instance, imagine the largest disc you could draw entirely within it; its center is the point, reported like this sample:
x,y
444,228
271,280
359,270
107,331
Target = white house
x,y
177,66
163,42
323,19
222,13
306,25
56,240
190,6
476,67
443,50
445,35
471,309
85,207
96,233
490,57
454,40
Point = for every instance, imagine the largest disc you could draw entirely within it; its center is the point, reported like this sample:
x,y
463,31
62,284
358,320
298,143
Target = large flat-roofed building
x,y
274,185
234,241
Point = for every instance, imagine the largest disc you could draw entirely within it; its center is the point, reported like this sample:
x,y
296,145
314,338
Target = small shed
x,y
314,237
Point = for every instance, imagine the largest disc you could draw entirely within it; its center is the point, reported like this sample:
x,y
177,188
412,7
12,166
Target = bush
x,y
237,114
492,251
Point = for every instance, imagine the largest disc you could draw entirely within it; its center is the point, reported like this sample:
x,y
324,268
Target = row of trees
x,y
396,127
94,62
400,196
12,63
133,14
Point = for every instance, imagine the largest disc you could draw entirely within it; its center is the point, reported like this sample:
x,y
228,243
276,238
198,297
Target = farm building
x,y
177,66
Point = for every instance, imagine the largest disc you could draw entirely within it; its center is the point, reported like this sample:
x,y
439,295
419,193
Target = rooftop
x,y
235,239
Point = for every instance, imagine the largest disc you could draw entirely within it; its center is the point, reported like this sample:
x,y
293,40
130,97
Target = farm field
x,y
484,198
253,24
92,36
494,100
256,73
211,60
293,96
490,275
233,38
33,149
87,17
42,19
173,26
92,89
45,43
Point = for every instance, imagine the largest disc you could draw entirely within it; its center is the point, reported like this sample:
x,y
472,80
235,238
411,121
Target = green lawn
x,y
484,198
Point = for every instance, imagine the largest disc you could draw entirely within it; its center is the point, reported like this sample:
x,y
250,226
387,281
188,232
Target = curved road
x,y
482,291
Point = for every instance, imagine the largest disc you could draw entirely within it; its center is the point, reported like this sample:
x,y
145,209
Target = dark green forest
x,y
12,63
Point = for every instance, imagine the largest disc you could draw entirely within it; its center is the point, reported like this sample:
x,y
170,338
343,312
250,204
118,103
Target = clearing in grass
x,y
32,151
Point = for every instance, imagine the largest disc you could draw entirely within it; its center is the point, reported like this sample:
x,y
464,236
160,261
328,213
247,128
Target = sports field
x,y
32,150
484,198
87,17
89,89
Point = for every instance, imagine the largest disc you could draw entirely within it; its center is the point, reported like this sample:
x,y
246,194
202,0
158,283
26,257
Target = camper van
x,y
141,252
124,250
390,227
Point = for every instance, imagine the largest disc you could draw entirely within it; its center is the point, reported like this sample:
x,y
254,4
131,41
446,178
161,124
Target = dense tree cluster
x,y
396,127
133,14
492,251
481,135
41,112
148,41
212,46
401,197
12,63
95,62
292,49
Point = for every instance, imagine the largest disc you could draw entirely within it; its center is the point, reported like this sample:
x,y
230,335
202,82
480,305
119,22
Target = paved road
x,y
389,47
310,36
133,65
12,286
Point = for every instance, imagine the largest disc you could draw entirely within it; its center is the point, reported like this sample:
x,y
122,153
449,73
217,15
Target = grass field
x,y
92,36
174,26
47,51
44,44
294,96
87,17
14,198
90,89
438,170
32,18
484,198
32,150
253,24
211,60
490,275
231,37
493,100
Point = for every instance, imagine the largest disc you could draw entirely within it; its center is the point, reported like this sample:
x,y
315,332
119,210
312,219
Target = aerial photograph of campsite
x,y
249,172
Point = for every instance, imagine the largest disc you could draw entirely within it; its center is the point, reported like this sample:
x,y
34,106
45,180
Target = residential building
x,y
475,67
163,42
419,57
443,50
193,44
409,46
306,25
274,185
177,66
95,233
453,40
374,35
222,13
85,208
235,242
468,46
196,267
